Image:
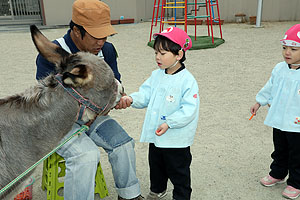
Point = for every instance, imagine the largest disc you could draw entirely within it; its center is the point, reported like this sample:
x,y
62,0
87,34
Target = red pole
x,y
165,2
185,16
152,21
207,21
210,11
195,19
219,18
157,12
162,12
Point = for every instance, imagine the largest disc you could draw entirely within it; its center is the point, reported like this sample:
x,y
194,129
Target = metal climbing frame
x,y
160,7
158,14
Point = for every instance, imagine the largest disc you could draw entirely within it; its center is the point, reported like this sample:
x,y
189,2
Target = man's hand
x,y
124,102
162,129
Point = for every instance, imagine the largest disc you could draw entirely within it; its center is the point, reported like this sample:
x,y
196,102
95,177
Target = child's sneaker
x,y
156,196
270,181
291,192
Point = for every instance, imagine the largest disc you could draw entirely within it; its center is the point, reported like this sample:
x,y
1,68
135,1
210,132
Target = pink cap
x,y
292,37
178,36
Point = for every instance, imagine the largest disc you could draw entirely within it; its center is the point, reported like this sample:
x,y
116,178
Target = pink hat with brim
x,y
292,37
178,36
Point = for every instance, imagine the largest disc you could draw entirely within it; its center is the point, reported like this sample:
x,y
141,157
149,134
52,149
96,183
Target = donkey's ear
x,y
79,76
50,51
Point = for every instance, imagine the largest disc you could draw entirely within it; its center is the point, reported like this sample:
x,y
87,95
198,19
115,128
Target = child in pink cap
x,y
282,94
171,97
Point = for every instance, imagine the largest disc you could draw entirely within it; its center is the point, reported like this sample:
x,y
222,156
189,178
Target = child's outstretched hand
x,y
162,129
254,108
124,102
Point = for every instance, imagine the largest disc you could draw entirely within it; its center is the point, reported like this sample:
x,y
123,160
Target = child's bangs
x,y
161,44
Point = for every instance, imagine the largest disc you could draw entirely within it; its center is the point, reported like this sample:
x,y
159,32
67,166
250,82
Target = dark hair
x,y
166,44
81,29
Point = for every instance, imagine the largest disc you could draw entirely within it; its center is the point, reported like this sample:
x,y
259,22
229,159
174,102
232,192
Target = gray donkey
x,y
32,123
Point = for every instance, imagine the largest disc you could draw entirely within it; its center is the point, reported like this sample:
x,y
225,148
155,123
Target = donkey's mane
x,y
34,96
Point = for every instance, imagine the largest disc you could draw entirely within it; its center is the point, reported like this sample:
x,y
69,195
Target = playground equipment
x,y
211,16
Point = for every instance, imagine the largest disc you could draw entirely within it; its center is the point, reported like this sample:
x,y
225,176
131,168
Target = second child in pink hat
x,y
282,94
171,97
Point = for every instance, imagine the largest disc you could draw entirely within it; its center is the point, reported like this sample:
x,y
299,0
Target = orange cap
x,y
94,16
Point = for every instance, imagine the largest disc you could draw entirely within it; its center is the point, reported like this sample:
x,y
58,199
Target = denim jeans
x,y
82,156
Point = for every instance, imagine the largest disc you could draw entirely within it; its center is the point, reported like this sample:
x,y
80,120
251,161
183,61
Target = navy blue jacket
x,y
44,67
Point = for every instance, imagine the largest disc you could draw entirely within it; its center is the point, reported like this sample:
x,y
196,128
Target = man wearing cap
x,y
89,28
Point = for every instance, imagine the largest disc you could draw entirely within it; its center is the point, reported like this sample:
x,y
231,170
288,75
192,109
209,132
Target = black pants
x,y
173,164
286,157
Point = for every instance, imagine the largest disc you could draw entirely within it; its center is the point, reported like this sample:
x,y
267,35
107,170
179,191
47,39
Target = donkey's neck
x,y
39,103
33,119
32,124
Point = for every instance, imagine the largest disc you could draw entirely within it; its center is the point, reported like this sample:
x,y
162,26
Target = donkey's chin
x,y
120,92
88,115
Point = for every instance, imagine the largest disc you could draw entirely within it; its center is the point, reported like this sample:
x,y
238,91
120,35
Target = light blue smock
x,y
282,93
173,99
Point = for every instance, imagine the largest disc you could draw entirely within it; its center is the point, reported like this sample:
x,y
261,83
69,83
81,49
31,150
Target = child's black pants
x,y
173,164
286,157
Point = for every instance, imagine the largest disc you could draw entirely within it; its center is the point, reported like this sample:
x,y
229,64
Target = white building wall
x,y
273,10
141,10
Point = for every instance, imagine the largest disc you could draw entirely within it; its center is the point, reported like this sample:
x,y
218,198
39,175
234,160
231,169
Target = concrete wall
x,y
141,10
273,10
57,12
